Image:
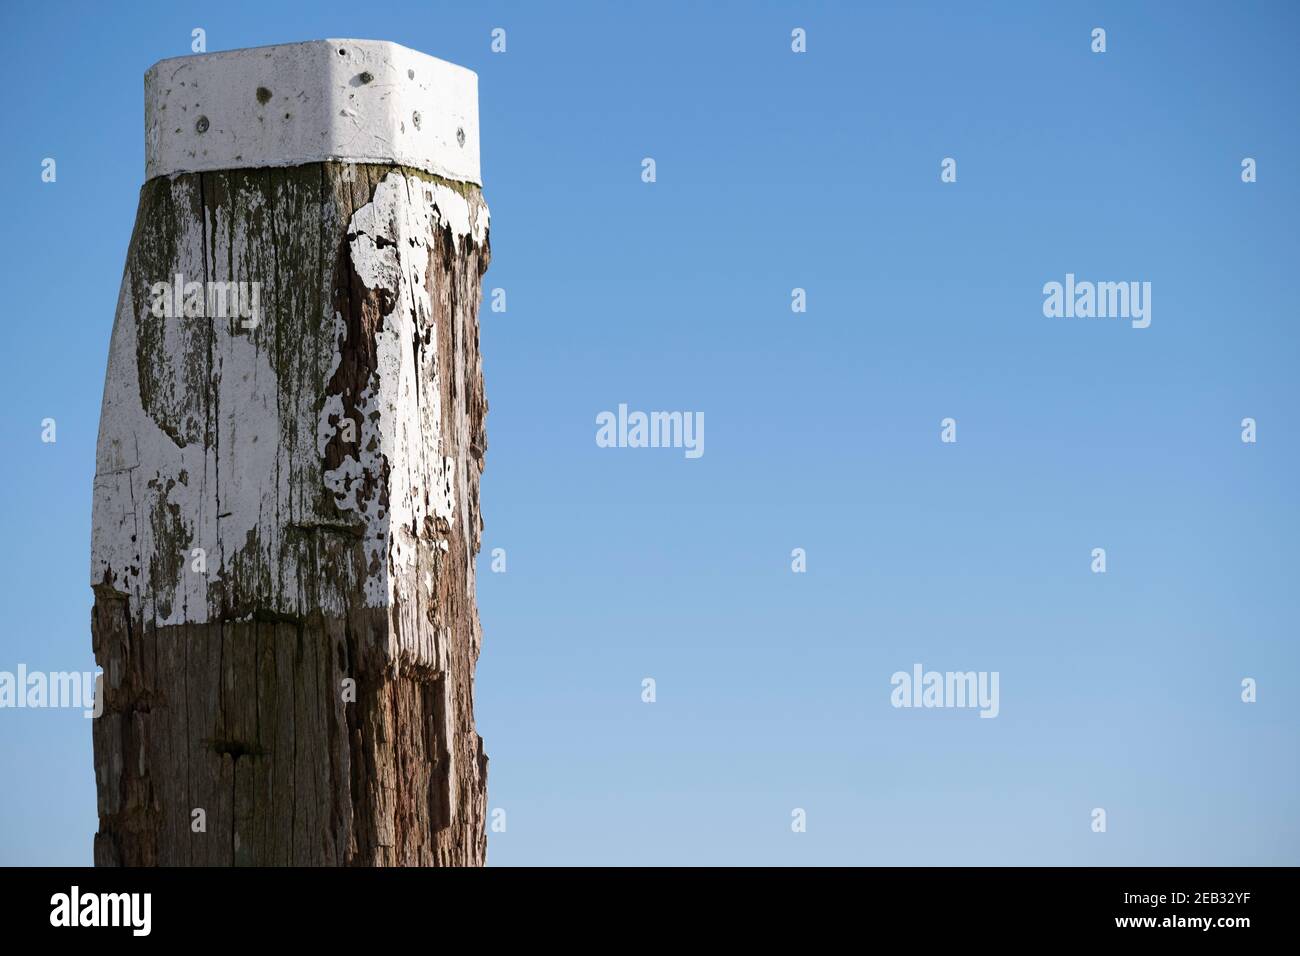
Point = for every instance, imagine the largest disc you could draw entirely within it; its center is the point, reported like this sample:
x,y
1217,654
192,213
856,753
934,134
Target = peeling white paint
x,y
401,407
139,467
222,496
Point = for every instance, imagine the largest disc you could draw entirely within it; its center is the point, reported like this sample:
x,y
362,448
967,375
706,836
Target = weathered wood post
x,y
286,505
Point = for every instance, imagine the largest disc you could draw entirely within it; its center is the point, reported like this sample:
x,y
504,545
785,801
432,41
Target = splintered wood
x,y
286,514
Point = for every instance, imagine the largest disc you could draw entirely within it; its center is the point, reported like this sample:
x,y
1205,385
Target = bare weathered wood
x,y
284,506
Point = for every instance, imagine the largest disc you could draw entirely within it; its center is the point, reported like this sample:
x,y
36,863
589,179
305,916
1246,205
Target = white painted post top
x,y
355,101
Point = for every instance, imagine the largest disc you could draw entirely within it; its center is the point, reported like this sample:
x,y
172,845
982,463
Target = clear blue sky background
x,y
778,170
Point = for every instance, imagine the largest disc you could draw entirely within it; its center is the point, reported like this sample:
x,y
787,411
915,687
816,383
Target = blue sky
x,y
778,170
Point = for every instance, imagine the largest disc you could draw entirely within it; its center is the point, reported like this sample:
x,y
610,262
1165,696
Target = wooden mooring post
x,y
286,498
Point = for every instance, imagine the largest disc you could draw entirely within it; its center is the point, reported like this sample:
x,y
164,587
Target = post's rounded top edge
x,y
289,49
